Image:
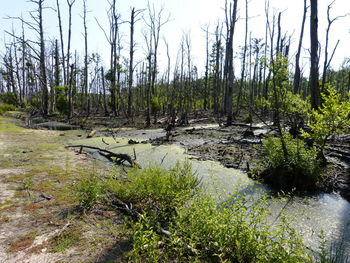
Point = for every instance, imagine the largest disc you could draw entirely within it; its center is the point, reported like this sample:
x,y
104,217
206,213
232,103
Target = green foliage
x,y
89,191
179,222
61,93
155,104
6,107
281,99
300,169
156,185
27,183
9,98
233,231
331,119
64,240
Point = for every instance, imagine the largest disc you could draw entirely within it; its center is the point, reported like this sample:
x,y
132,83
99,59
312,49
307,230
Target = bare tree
x,y
70,6
327,60
86,63
244,56
231,17
206,74
133,20
314,82
62,42
155,22
297,73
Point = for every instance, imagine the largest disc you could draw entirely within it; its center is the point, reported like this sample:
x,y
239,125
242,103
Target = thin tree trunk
x,y
314,75
297,73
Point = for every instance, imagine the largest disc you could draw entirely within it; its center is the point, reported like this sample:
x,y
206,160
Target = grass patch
x,y
23,242
64,240
8,127
5,108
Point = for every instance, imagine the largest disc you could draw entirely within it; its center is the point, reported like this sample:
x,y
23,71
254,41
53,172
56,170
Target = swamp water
x,y
310,215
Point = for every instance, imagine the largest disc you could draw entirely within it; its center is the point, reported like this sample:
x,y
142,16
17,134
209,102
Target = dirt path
x,y
38,218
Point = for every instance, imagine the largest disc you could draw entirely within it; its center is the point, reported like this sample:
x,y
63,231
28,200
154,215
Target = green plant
x,y
235,230
27,183
178,222
331,119
61,93
64,240
89,191
156,185
6,107
9,98
300,169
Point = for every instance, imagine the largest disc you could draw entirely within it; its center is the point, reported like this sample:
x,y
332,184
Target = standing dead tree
x,y
231,18
70,4
314,74
297,73
155,22
62,42
327,60
86,63
112,39
133,20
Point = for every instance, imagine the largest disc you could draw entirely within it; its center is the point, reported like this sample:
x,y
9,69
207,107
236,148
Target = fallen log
x,y
120,157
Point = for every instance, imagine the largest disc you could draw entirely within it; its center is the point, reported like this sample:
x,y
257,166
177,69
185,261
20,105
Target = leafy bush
x,y
6,107
9,98
61,93
331,119
178,222
297,168
89,191
156,185
233,231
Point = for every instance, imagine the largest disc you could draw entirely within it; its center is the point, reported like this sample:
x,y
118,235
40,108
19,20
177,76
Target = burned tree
x,y
314,84
231,17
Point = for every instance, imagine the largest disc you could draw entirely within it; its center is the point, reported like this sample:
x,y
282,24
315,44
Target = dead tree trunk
x,y
134,14
297,73
70,5
231,17
314,74
86,64
62,43
244,60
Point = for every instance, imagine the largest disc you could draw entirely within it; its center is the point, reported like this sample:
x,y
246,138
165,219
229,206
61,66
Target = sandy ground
x,y
35,173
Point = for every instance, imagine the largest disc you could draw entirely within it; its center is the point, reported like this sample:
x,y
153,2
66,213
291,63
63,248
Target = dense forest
x,y
304,107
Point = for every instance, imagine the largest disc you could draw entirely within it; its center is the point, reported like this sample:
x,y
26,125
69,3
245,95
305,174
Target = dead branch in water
x,y
120,157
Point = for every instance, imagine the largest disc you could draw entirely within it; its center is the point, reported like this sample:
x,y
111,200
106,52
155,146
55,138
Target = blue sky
x,y
186,16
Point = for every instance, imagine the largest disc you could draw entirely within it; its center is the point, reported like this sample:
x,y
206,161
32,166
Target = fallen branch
x,y
120,157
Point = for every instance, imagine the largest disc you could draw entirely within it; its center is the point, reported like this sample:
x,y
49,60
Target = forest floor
x,y
39,220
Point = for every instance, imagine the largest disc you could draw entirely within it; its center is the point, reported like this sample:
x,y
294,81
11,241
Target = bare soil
x,y
39,220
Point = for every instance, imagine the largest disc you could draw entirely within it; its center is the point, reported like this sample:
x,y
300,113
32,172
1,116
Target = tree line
x,y
50,77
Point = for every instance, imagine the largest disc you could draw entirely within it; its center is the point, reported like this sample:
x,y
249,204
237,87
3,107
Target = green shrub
x,y
233,231
299,169
163,188
61,93
89,191
178,222
6,107
331,119
9,98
